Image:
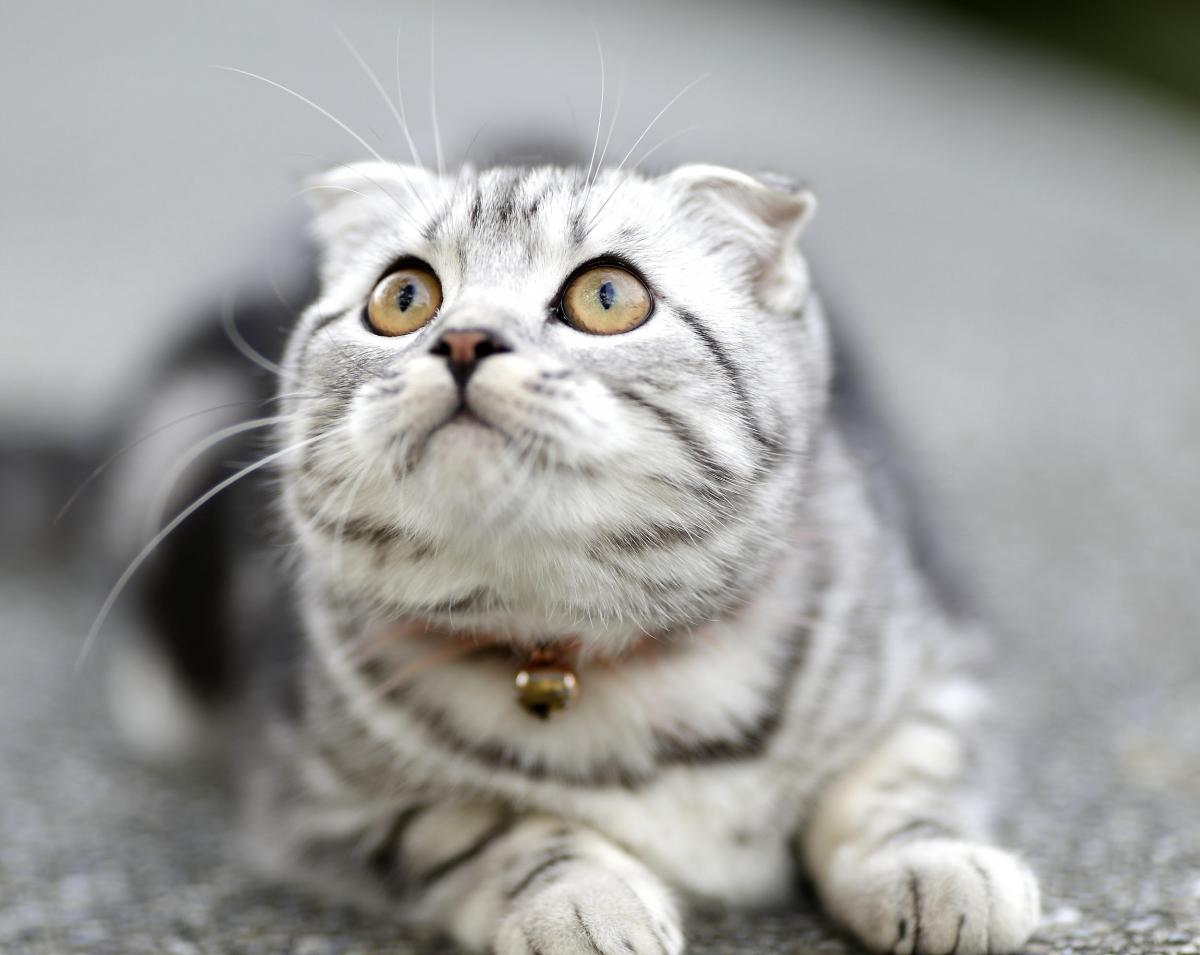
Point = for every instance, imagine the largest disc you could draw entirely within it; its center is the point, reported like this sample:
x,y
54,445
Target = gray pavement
x,y
1013,245
101,854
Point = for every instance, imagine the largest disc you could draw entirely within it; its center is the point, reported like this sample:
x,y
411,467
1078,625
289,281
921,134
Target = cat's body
x,y
766,682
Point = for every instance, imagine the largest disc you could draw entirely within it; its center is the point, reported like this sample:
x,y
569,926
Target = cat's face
x,y
548,406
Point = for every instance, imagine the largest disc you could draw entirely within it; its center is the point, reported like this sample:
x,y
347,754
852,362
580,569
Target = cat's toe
x,y
598,915
938,897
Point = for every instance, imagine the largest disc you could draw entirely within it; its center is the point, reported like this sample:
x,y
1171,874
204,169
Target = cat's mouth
x,y
464,416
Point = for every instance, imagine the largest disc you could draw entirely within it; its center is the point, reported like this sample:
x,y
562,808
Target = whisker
x,y
657,116
400,94
304,99
637,142
248,351
437,135
163,497
667,139
600,114
152,545
324,112
400,206
138,442
611,126
330,187
407,181
399,115
470,146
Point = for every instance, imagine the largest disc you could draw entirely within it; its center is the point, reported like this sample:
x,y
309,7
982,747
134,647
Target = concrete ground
x,y
99,854
1013,245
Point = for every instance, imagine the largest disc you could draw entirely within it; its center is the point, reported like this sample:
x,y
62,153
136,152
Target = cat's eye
x,y
606,300
404,301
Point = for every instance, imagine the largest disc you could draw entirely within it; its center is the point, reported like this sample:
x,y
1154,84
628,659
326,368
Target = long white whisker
x,y
659,115
401,120
437,134
152,545
304,99
466,157
331,187
331,164
407,182
163,496
667,139
637,142
142,439
239,341
600,114
612,125
328,115
400,95
400,206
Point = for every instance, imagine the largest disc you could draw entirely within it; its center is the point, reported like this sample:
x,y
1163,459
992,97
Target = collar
x,y
546,672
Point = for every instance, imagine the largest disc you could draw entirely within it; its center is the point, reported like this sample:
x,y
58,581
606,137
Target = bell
x,y
545,687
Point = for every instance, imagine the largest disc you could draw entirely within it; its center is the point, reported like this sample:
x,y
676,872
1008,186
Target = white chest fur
x,y
665,753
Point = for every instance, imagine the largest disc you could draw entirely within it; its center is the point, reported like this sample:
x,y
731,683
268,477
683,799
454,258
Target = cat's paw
x,y
936,897
592,913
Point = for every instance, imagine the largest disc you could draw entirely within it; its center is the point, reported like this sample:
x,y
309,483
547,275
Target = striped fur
x,y
768,682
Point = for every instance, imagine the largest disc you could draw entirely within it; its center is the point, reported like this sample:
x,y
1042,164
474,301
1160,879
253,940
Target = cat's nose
x,y
464,349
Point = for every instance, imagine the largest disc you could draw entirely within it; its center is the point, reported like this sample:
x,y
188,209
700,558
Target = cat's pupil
x,y
607,293
404,298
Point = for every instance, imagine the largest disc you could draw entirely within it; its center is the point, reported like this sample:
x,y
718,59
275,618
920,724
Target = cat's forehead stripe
x,y
508,217
507,202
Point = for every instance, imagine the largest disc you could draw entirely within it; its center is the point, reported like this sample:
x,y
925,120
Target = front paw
x,y
936,897
591,913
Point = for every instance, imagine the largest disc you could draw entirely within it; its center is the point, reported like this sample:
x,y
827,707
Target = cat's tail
x,y
204,605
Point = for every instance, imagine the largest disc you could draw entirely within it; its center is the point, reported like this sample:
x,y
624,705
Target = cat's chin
x,y
464,449
468,465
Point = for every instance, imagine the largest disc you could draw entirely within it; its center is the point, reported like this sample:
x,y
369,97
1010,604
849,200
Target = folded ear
x,y
766,215
348,196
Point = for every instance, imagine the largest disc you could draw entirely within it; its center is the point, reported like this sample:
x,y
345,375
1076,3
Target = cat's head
x,y
553,405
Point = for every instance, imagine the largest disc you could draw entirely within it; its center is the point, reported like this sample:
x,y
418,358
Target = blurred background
x,y
1009,229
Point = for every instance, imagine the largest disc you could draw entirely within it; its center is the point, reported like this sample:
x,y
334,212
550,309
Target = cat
x,y
589,610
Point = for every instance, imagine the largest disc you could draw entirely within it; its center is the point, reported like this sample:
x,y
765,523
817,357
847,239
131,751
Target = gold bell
x,y
545,686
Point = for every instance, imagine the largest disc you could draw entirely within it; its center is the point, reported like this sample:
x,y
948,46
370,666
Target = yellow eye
x,y
404,301
606,300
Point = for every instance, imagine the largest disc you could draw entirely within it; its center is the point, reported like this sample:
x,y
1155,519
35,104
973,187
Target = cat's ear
x,y
348,195
766,215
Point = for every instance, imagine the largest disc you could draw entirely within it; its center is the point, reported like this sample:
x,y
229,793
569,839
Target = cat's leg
x,y
535,885
887,850
492,879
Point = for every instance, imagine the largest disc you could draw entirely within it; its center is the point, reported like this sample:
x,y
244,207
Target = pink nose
x,y
464,349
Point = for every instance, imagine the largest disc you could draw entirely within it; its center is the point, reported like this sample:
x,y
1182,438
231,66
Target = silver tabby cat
x,y
534,417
